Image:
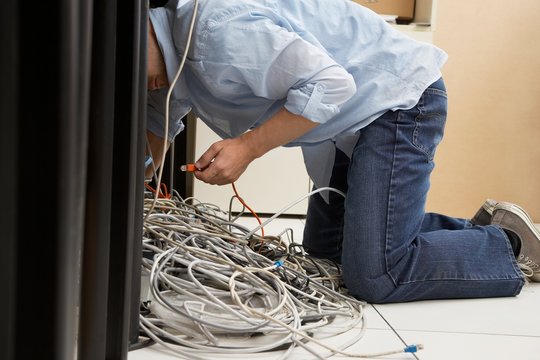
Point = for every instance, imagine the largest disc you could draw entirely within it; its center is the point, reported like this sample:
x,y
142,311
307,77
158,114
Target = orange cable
x,y
192,168
163,192
247,206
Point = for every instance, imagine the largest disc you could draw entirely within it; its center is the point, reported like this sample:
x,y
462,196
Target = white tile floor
x,y
495,329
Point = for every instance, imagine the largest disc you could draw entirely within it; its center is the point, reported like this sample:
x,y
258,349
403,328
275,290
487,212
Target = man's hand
x,y
226,160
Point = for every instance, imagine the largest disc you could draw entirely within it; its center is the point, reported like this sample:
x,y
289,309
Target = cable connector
x,y
278,263
413,348
188,167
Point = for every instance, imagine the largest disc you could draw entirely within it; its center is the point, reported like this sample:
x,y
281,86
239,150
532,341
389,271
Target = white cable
x,y
209,290
167,101
279,213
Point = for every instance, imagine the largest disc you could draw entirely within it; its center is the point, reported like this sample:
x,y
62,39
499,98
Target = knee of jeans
x,y
371,290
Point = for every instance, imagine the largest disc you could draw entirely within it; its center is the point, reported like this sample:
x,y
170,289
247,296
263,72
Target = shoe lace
x,y
528,267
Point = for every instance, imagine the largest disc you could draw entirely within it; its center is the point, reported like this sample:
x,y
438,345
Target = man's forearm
x,y
278,130
226,160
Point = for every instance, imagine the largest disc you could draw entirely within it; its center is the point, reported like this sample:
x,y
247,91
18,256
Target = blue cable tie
x,y
147,161
411,349
278,263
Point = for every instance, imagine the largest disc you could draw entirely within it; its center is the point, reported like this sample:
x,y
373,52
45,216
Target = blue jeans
x,y
390,249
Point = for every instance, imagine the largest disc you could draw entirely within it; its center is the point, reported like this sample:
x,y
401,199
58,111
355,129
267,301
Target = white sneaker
x,y
513,218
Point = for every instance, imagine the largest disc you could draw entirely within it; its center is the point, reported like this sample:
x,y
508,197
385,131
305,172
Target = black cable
x,y
141,345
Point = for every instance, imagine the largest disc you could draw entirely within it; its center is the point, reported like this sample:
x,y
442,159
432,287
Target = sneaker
x,y
513,218
483,215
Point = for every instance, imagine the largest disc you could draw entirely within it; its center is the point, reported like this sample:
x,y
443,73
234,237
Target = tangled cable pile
x,y
216,291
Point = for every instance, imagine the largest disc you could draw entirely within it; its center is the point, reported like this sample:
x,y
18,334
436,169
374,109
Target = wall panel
x,y
491,147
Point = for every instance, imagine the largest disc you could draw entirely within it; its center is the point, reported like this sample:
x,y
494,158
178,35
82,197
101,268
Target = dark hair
x,y
158,3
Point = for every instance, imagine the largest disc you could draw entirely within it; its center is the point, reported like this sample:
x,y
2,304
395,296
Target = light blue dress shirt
x,y
331,61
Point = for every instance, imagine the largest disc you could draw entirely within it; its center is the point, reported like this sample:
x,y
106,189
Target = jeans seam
x,y
417,124
390,201
437,92
339,245
455,279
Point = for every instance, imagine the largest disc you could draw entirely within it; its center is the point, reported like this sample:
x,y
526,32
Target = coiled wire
x,y
216,290
219,288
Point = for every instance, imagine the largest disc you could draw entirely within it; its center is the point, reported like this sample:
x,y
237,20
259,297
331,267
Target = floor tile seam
x,y
396,333
469,333
368,328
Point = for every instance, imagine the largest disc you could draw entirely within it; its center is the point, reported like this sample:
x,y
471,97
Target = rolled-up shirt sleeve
x,y
322,86
279,64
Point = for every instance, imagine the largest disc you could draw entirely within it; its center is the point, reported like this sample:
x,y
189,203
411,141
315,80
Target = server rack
x,y
72,117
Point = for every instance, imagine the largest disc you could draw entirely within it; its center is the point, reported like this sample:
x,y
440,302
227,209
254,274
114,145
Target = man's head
x,y
157,73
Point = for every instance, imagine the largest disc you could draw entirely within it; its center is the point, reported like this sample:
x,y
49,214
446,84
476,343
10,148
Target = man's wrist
x,y
254,145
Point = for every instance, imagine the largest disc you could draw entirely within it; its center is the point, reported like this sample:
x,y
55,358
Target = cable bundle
x,y
212,289
218,288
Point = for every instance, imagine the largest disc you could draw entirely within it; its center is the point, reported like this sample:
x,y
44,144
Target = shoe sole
x,y
518,211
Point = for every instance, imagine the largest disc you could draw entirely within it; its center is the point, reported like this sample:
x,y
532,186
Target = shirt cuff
x,y
156,124
307,102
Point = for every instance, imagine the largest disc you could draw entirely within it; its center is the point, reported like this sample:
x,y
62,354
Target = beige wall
x,y
492,141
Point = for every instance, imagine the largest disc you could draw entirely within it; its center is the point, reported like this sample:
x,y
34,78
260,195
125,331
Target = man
x,y
368,107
